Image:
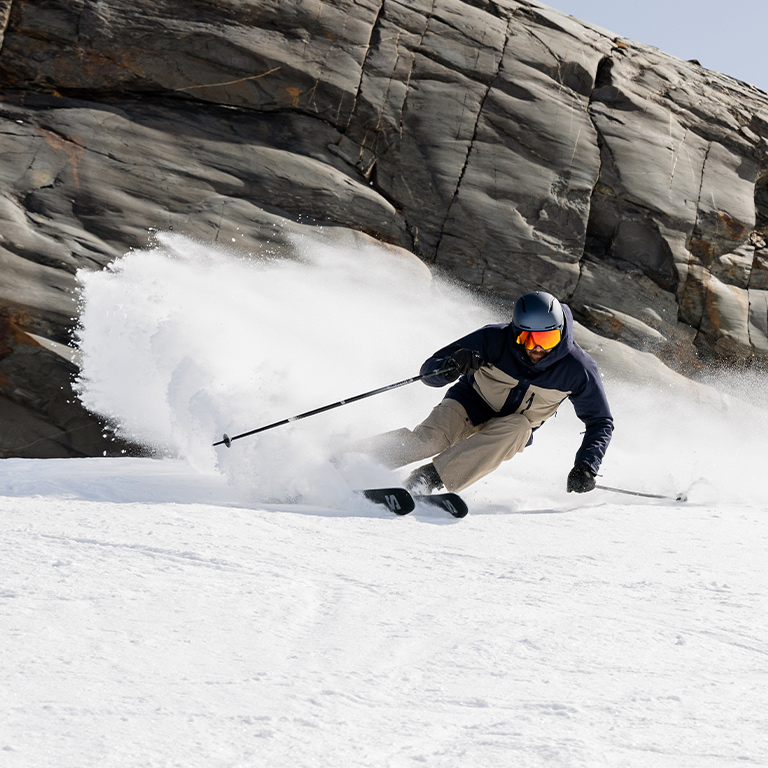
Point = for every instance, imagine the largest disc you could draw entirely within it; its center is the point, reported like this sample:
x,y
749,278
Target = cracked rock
x,y
510,145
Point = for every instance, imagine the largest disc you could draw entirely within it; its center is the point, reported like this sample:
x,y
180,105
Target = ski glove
x,y
581,478
465,361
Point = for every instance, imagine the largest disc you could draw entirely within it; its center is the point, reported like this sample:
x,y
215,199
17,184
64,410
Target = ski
x,y
396,500
450,502
401,502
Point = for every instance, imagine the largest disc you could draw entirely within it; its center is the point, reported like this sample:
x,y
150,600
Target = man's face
x,y
536,354
538,344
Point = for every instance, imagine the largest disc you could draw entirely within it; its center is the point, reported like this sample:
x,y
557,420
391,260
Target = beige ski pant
x,y
463,453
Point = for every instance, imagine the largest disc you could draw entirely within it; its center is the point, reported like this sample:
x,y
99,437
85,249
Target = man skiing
x,y
511,379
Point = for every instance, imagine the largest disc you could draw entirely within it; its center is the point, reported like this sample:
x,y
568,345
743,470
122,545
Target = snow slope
x,y
179,612
144,628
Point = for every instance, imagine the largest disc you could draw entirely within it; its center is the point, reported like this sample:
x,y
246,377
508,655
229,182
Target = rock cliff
x,y
503,142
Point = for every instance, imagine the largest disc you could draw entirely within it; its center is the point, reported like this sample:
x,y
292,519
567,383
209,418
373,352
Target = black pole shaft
x,y
227,440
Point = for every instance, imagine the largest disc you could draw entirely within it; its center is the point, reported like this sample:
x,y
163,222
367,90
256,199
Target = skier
x,y
511,379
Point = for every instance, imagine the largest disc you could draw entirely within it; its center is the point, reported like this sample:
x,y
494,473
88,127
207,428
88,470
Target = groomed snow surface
x,y
242,607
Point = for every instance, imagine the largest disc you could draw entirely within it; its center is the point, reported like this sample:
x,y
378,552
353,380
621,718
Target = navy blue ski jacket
x,y
509,383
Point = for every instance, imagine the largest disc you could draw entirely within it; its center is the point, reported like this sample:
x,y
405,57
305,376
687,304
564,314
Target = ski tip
x,y
450,502
459,510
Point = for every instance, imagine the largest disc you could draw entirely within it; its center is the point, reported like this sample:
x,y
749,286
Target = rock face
x,y
502,142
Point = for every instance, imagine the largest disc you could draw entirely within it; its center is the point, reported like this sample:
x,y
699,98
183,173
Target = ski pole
x,y
680,496
227,440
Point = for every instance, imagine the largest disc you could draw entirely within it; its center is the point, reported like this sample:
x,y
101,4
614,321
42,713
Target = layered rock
x,y
503,142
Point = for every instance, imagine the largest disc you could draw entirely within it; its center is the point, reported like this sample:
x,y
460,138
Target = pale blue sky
x,y
730,37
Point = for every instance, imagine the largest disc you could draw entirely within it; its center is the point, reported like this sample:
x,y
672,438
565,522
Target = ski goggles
x,y
543,339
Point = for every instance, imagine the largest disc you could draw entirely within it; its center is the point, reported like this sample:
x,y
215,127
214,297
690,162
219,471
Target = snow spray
x,y
184,341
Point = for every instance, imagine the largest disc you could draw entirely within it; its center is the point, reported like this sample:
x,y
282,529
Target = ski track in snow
x,y
157,633
178,612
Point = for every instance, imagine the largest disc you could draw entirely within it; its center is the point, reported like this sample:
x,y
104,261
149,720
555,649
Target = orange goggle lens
x,y
543,339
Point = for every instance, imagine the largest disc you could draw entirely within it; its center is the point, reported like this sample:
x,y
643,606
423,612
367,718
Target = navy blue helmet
x,y
538,311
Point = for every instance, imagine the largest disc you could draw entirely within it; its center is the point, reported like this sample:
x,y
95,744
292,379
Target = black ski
x,y
401,502
396,500
450,502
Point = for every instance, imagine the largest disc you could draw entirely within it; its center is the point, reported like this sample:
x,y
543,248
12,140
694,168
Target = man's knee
x,y
514,425
445,426
433,439
513,432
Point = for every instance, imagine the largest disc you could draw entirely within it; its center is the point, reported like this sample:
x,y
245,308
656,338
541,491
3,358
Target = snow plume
x,y
185,341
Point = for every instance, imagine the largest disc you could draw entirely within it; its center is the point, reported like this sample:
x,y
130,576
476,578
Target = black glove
x,y
464,361
581,478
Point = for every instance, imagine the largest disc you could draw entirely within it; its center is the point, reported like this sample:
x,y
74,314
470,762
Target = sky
x,y
730,39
